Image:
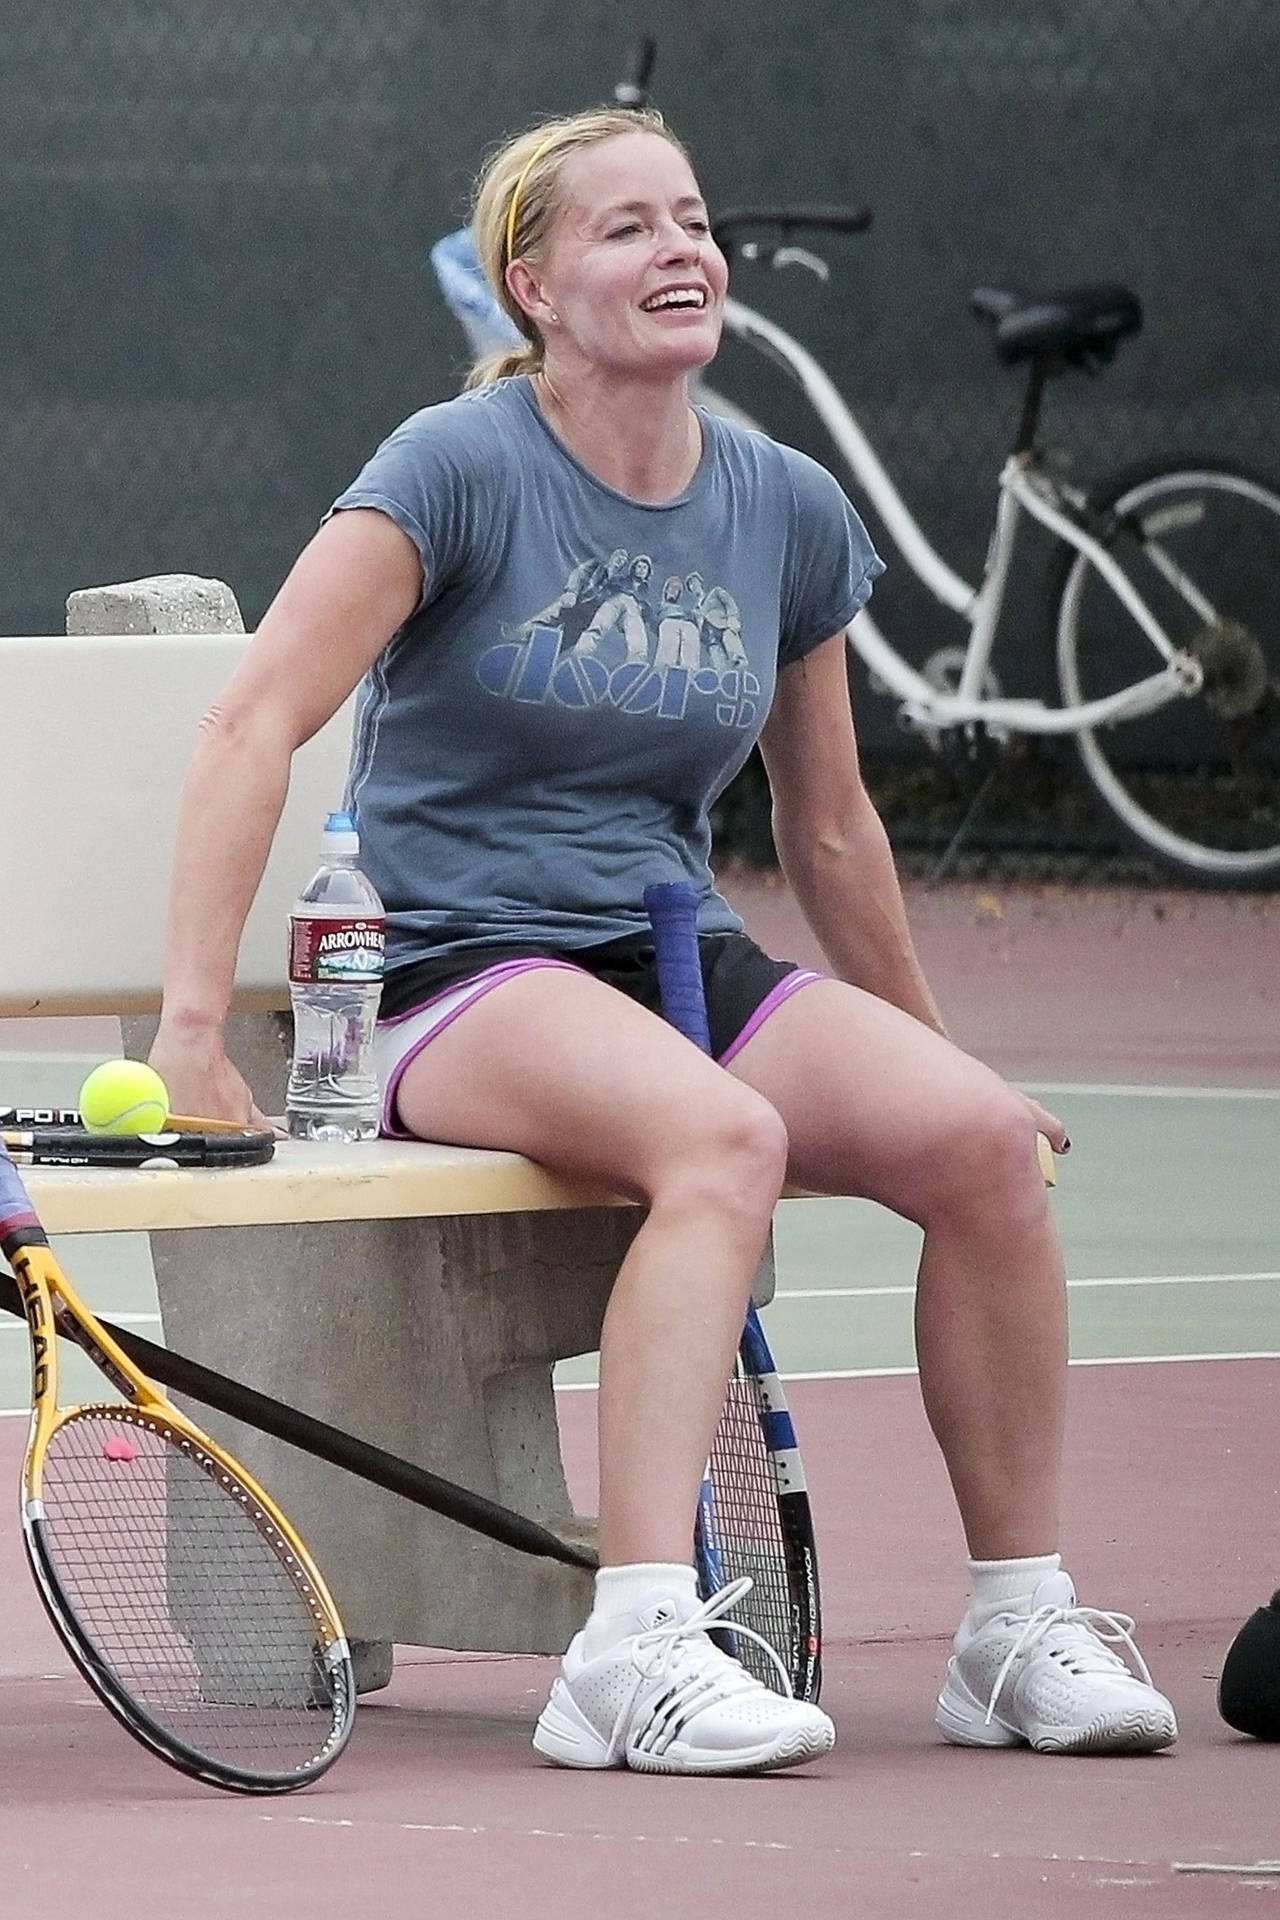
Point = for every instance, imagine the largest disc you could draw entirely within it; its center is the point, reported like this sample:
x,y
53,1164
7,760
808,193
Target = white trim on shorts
x,y
400,1040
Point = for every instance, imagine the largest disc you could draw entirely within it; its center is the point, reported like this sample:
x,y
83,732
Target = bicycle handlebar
x,y
787,221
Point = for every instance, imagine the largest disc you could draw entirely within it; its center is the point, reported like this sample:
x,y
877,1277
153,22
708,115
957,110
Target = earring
x,y
554,318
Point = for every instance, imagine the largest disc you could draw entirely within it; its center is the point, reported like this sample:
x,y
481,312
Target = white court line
x,y
1120,1091
1102,1360
14,1325
895,1373
1126,1280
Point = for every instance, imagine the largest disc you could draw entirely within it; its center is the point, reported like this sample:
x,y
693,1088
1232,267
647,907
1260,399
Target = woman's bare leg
x,y
557,1066
878,1105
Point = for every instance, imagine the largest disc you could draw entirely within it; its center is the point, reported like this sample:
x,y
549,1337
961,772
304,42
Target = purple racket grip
x,y
672,907
19,1221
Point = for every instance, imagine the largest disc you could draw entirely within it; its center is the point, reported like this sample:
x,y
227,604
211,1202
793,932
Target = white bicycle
x,y
1164,585
1165,579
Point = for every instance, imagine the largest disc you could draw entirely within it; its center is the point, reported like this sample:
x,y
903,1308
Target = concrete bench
x,y
418,1295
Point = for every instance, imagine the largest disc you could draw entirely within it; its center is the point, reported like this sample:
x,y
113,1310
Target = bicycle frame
x,y
1022,488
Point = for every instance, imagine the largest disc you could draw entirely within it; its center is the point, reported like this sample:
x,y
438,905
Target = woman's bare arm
x,y
834,849
831,843
352,587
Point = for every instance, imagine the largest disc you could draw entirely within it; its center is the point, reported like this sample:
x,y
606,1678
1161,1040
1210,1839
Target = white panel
x,y
100,731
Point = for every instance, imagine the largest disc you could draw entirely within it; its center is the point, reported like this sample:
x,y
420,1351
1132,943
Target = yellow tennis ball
x,y
124,1096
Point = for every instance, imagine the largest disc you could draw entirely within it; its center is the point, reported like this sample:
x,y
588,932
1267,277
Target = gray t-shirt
x,y
584,673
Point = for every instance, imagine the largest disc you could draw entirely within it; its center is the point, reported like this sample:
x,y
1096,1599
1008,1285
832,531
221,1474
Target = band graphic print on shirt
x,y
614,635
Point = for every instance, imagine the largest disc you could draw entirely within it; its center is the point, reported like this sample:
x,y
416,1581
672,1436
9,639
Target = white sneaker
x,y
667,1700
1044,1674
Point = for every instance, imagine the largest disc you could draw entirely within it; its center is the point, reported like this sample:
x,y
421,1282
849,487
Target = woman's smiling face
x,y
630,271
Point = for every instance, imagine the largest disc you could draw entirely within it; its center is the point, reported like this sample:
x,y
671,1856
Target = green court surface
x,y
1169,1206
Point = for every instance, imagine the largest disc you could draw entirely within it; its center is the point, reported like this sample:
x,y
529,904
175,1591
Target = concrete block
x,y
164,603
435,1339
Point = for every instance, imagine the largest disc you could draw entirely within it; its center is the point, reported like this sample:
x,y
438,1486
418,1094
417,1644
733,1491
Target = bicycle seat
x,y
1077,326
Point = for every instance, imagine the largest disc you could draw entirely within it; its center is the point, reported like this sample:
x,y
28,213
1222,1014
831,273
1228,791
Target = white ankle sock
x,y
998,1584
622,1591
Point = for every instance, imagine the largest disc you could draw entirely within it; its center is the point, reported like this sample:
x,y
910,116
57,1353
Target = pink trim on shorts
x,y
461,995
802,977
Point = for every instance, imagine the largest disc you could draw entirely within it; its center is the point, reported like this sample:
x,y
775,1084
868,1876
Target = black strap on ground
x,y
334,1444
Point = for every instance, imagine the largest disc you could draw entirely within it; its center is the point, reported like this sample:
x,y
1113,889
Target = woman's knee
x,y
729,1152
987,1162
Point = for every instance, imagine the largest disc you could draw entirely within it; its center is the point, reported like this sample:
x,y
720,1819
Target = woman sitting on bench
x,y
516,792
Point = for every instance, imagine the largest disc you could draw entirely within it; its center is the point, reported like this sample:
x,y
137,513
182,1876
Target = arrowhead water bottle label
x,y
335,949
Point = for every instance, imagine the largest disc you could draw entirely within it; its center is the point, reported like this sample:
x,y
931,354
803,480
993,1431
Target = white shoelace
x,y
655,1651
1097,1627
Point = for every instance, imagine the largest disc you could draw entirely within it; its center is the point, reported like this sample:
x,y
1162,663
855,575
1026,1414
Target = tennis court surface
x,y
1150,1023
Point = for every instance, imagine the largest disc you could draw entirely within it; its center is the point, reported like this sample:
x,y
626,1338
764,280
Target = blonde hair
x,y
517,197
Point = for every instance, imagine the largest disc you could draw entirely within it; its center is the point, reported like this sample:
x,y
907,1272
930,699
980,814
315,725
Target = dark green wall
x,y
215,218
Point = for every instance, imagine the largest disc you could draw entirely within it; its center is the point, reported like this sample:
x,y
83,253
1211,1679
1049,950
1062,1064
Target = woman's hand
x,y
1049,1125
203,1084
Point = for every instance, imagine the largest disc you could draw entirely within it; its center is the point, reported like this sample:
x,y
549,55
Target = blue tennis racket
x,y
753,1509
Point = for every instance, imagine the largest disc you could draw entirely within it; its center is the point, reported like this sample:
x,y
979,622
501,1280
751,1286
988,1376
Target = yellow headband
x,y
514,208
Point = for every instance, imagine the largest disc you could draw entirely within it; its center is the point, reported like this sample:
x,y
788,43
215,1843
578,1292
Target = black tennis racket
x,y
57,1137
753,1509
179,1589
334,1444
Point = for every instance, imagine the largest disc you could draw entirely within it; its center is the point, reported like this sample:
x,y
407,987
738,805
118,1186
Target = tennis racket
x,y
753,1509
180,1591
334,1444
57,1137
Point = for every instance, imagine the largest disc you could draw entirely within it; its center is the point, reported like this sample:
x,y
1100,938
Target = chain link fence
x,y
216,216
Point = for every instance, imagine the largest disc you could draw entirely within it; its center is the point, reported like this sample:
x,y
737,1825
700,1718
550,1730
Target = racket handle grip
x,y
672,907
19,1222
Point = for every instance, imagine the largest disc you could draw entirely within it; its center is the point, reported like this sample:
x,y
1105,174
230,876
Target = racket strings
x,y
177,1590
748,1536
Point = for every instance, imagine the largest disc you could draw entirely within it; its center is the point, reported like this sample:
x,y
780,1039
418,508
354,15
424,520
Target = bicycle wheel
x,y
1196,784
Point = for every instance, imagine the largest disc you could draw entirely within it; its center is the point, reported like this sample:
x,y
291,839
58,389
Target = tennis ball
x,y
124,1096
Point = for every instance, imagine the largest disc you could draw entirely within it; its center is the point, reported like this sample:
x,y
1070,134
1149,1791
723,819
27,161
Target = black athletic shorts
x,y
743,987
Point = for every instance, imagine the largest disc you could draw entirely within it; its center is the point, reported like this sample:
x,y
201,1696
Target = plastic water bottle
x,y
336,942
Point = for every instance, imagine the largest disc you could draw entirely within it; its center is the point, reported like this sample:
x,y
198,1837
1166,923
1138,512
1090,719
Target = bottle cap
x,y
341,835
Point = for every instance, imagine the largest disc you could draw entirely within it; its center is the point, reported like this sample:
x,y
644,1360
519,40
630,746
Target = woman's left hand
x,y
1049,1125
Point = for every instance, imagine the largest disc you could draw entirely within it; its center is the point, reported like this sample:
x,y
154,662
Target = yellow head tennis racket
x,y
177,1586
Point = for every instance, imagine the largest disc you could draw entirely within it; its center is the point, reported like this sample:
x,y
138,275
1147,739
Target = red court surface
x,y
1094,984
1173,1492
439,1804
